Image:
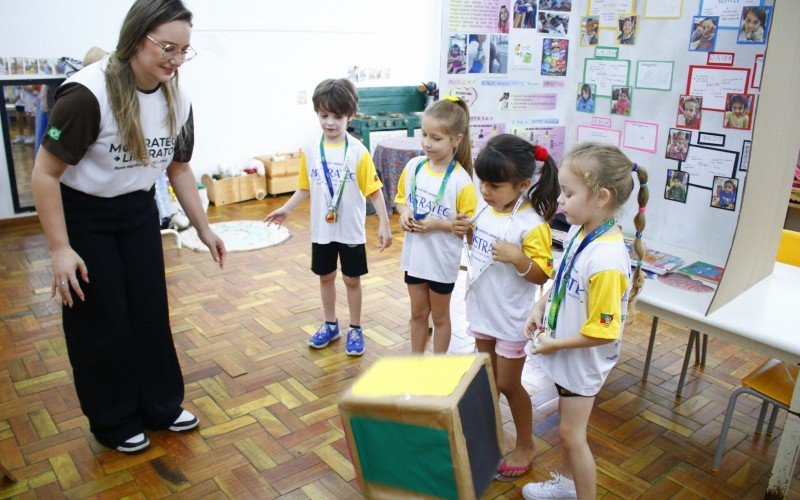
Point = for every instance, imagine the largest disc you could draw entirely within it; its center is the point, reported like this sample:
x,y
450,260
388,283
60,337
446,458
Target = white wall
x,y
255,56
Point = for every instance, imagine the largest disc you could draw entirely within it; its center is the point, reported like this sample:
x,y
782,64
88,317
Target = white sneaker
x,y
558,487
186,421
29,140
134,444
18,139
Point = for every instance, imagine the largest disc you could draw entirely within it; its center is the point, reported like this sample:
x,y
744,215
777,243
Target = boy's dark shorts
x,y
352,257
434,286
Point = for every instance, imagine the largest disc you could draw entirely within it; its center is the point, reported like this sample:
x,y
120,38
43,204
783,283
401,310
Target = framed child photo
x,y
689,111
678,144
703,34
621,100
589,27
724,193
585,100
738,111
677,184
754,25
626,29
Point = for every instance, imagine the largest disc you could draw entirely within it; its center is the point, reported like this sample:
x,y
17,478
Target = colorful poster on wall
x,y
511,61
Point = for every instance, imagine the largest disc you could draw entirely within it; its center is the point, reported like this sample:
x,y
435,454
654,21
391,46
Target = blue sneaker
x,y
324,335
355,342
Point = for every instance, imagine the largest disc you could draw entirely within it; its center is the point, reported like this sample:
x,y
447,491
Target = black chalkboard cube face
x,y
424,425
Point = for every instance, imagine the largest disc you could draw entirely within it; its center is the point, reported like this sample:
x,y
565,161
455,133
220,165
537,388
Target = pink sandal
x,y
504,467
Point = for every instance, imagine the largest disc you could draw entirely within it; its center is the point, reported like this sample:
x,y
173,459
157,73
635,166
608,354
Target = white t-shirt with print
x,y
499,300
361,181
107,169
594,305
434,255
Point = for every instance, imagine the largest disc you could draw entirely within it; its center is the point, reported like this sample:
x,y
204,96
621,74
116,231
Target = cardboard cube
x,y
424,427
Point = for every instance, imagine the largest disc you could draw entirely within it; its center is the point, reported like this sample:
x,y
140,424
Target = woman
x,y
114,128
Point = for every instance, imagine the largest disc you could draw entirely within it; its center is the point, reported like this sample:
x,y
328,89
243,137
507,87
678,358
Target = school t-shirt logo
x,y
606,319
549,263
54,132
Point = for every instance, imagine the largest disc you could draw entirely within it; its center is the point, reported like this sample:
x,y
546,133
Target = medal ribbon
x,y
333,205
442,187
471,278
559,289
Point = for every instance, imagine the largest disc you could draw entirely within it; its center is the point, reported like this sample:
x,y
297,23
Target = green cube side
x,y
409,457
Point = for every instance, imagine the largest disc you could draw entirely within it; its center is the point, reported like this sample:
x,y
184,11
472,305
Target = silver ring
x,y
63,282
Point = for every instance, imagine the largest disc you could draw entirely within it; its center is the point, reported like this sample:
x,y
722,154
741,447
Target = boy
x,y
677,192
727,197
337,172
689,113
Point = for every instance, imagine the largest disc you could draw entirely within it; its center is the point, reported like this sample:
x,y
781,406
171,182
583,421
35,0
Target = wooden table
x,y
762,319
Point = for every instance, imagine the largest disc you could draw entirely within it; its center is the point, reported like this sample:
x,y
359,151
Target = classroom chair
x,y
789,248
774,380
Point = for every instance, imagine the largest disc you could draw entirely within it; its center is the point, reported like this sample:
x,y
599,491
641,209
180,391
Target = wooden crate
x,y
281,171
235,189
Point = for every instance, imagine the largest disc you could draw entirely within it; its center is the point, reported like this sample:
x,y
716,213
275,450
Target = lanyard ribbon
x,y
442,187
472,277
565,269
334,205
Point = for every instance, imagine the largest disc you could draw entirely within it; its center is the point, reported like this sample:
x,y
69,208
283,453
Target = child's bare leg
x,y
575,412
442,328
509,382
327,289
487,346
353,285
420,310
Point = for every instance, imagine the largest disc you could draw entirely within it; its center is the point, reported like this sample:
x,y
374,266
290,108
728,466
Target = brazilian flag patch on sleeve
x,y
54,132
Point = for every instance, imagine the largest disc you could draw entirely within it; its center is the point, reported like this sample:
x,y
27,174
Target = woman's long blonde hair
x,y
143,17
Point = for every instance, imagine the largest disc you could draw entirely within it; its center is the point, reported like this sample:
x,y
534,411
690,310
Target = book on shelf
x,y
654,261
703,271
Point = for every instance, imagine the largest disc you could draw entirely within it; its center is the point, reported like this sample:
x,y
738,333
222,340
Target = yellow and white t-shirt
x,y
434,255
594,305
499,300
360,182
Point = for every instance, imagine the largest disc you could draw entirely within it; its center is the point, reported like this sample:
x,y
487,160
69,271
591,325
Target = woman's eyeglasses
x,y
169,51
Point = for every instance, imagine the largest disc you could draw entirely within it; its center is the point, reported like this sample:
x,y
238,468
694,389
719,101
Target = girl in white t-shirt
x,y
510,255
577,328
431,191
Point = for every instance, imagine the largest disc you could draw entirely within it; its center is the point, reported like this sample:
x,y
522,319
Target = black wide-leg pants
x,y
119,341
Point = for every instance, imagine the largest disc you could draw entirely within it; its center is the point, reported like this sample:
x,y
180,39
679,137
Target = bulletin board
x,y
513,76
662,76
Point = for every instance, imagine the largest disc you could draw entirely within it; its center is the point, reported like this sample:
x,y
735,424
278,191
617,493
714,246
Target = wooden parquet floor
x,y
267,403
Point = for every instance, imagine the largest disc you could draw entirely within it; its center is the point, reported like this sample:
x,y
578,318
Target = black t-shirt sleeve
x,y
184,143
74,123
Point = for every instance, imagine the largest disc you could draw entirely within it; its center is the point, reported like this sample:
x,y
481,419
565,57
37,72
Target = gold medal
x,y
332,215
541,333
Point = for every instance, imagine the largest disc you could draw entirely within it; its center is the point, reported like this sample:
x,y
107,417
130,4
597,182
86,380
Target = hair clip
x,y
644,185
635,167
639,235
642,209
540,153
453,98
